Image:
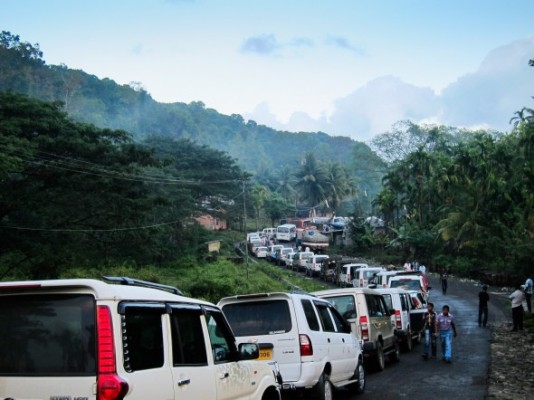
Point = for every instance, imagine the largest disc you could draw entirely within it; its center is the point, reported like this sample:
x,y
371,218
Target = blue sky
x,y
346,67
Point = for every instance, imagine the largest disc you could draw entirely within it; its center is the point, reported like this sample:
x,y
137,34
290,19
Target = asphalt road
x,y
465,378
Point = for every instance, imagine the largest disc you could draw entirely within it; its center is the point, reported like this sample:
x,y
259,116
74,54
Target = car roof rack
x,y
124,280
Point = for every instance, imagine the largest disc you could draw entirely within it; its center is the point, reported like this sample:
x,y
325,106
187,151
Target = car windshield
x,y
258,317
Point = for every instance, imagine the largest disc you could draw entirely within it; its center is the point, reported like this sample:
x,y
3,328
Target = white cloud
x,y
503,84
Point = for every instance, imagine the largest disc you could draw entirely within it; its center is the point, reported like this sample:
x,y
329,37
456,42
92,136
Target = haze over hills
x,y
104,103
486,98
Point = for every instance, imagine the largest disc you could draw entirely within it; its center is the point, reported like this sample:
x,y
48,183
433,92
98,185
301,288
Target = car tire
x,y
323,390
380,359
394,356
359,386
408,342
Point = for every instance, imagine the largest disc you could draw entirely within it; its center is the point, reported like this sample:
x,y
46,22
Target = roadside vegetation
x,y
90,199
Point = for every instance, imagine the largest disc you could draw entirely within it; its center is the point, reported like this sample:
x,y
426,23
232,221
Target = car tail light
x,y
110,386
306,348
398,323
364,328
349,278
361,282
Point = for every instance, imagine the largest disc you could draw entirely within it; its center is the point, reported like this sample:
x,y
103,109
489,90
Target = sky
x,y
344,67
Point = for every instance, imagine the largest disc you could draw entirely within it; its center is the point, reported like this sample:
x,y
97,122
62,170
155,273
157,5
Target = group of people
x,y
443,326
520,295
438,325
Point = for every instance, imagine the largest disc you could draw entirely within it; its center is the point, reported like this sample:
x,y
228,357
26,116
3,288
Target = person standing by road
x,y
517,297
483,298
528,293
446,328
444,282
429,330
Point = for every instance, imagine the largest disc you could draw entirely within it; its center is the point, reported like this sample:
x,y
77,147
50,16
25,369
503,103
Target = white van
x,y
305,335
314,264
135,340
363,277
406,317
269,233
299,260
286,232
347,273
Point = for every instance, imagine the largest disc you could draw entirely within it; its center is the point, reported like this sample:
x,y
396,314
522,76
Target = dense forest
x,y
95,173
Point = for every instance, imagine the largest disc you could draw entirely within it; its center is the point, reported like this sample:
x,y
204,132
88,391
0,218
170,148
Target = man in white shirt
x,y
517,297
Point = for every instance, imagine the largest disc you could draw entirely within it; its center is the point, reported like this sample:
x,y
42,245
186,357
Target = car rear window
x,y
408,284
344,305
258,317
47,335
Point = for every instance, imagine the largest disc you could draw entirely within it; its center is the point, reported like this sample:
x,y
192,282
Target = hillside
x,y
106,104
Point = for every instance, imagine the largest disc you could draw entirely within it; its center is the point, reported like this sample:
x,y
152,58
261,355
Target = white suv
x,y
309,339
92,340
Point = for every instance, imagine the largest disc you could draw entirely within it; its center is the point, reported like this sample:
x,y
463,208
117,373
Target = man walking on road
x,y
444,282
483,298
429,330
446,328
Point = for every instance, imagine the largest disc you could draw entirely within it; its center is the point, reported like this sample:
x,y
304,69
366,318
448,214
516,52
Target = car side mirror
x,y
248,351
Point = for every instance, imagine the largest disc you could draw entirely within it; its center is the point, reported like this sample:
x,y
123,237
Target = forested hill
x,y
106,104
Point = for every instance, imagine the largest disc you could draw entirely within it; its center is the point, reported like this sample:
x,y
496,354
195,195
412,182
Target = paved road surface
x,y
465,378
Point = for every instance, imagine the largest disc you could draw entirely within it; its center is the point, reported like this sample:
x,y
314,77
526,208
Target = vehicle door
x,y
341,353
233,379
194,376
380,318
405,309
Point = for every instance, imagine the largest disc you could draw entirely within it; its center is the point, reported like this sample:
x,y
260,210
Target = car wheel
x,y
394,356
359,374
323,389
408,344
380,360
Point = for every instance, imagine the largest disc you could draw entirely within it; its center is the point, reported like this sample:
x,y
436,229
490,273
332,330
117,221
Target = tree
x,y
311,181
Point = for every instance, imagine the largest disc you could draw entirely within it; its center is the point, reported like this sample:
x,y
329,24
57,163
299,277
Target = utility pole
x,y
245,226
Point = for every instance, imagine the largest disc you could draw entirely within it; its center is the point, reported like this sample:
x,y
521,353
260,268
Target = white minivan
x,y
305,335
133,340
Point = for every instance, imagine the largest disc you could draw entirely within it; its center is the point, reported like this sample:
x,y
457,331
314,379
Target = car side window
x,y
142,337
309,312
222,344
188,346
381,306
404,302
326,320
389,301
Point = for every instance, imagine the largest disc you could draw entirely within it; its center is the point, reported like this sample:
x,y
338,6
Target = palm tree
x,y
311,181
258,194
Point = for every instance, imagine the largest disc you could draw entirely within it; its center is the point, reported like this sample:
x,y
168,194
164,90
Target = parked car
x,y
281,255
371,321
307,336
261,252
363,277
272,251
405,316
313,264
347,273
299,260
136,340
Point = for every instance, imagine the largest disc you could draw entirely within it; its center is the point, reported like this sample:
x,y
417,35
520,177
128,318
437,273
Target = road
x,y
465,378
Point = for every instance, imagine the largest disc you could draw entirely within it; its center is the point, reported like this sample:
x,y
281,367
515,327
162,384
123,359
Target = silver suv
x,y
307,336
92,340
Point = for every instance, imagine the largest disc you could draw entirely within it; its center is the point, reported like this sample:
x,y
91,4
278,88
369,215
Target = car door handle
x,y
224,375
328,340
185,381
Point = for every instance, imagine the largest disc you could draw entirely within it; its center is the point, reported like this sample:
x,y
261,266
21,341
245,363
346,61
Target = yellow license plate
x,y
265,354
